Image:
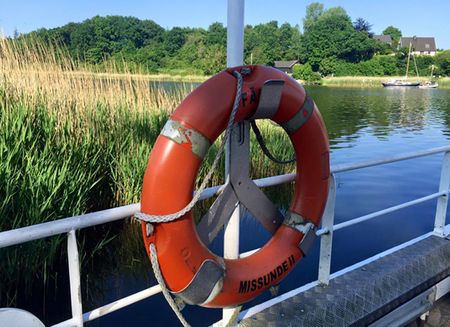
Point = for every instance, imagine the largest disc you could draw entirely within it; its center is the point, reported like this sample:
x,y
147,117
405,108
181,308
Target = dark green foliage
x,y
135,45
395,34
266,43
442,60
333,46
330,44
313,12
330,34
305,73
362,25
381,65
217,34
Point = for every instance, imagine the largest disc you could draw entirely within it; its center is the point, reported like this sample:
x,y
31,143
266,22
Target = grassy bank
x,y
373,81
74,141
444,82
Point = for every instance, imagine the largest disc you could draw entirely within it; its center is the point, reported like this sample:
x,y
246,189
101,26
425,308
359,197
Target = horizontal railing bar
x,y
370,163
60,226
261,182
354,221
287,178
121,303
372,215
114,306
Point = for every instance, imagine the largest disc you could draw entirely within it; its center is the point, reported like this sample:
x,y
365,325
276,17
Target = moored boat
x,y
404,82
401,83
429,85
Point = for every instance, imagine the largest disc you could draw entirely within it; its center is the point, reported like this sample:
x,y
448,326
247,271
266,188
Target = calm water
x,y
362,124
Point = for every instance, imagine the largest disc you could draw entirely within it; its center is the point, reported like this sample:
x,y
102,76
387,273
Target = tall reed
x,y
71,141
74,140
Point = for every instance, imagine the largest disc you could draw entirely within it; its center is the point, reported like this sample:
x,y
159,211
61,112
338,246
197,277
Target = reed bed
x,y
70,143
74,140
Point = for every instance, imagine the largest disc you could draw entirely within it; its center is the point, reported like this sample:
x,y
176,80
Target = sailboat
x,y
404,81
430,84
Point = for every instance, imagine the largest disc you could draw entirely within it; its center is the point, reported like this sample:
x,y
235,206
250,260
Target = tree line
x,y
331,44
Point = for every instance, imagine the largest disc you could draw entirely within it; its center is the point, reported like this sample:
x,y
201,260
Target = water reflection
x,y
351,114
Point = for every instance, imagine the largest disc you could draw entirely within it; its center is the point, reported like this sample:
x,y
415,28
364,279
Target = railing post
x,y
326,240
441,207
74,278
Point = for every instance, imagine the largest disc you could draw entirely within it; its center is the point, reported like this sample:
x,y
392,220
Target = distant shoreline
x,y
341,81
374,81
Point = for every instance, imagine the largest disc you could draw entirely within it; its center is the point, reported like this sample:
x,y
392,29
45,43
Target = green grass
x,y
444,82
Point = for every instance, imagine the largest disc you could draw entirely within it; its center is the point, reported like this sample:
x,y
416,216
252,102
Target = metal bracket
x,y
269,100
300,118
249,195
218,215
308,229
309,232
240,189
207,281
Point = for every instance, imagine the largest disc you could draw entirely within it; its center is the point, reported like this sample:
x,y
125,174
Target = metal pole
x,y
235,55
74,278
441,208
235,46
235,33
326,241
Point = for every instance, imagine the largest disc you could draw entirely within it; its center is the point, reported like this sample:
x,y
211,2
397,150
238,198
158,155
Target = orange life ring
x,y
170,178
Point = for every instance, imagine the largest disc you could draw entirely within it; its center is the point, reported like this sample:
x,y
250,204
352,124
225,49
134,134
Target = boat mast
x,y
415,65
407,63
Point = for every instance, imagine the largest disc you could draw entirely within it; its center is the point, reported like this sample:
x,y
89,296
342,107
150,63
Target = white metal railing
x,y
71,224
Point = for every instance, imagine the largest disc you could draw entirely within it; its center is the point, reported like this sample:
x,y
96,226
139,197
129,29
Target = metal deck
x,y
363,296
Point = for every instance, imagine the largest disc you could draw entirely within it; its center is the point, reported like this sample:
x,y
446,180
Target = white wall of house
x,y
423,53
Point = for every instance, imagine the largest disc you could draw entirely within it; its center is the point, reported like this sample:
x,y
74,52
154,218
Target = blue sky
x,y
412,17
